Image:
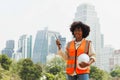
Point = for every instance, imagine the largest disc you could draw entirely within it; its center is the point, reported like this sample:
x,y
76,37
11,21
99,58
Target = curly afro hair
x,y
78,24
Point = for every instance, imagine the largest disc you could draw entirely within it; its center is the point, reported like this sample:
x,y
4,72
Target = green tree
x,y
4,74
30,71
14,70
56,67
58,61
5,61
6,71
60,76
37,70
98,74
49,76
116,72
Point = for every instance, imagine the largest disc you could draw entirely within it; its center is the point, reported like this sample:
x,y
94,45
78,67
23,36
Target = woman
x,y
74,49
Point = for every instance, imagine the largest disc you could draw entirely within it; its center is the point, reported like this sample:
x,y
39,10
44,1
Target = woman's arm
x,y
64,55
92,54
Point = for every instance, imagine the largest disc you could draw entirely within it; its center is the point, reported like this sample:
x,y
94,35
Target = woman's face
x,y
78,33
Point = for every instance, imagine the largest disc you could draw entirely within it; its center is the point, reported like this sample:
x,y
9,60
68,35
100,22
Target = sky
x,y
18,17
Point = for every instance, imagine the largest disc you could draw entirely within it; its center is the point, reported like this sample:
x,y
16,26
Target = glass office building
x,y
25,46
45,44
9,49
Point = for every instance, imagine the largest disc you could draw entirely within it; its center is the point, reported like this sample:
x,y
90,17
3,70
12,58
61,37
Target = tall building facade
x,y
25,46
116,59
87,14
9,49
102,41
45,44
107,53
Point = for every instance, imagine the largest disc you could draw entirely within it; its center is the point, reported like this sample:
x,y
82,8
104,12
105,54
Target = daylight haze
x,y
18,17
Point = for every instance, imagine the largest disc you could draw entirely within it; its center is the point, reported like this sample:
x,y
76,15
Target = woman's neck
x,y
79,39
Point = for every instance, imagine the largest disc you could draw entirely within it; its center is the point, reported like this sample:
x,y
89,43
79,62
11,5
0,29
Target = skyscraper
x,y
102,41
9,49
25,46
108,56
87,14
45,44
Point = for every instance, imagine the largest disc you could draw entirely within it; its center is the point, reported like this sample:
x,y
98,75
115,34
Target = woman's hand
x,y
58,44
83,64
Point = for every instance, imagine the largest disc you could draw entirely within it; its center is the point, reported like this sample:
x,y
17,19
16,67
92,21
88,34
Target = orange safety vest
x,y
73,53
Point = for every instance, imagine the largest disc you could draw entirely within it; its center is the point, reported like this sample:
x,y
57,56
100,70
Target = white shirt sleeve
x,y
91,52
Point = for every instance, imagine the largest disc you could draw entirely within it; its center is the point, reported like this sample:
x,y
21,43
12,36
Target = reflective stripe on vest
x,y
83,48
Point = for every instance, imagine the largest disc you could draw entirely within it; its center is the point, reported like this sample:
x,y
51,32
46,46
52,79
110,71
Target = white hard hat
x,y
82,58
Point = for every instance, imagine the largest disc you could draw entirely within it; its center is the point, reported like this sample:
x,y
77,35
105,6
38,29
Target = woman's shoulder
x,y
88,40
68,43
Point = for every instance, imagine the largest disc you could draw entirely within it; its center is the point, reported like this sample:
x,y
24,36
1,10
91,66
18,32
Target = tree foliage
x,y
8,75
98,74
60,76
56,67
5,62
49,76
115,72
29,71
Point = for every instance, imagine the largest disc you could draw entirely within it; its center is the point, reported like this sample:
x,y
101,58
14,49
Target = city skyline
x,y
29,16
